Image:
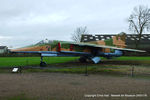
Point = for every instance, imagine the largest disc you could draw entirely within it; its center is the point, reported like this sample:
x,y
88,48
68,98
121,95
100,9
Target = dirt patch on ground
x,y
60,86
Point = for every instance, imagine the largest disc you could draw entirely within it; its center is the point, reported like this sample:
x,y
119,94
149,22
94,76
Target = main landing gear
x,y
42,63
83,59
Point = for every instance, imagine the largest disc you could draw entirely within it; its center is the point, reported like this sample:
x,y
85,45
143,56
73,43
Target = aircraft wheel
x,y
43,64
82,59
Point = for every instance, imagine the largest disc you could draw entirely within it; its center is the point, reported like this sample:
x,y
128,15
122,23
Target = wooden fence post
x,y
132,71
86,70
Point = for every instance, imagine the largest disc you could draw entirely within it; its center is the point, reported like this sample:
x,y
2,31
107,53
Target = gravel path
x,y
60,86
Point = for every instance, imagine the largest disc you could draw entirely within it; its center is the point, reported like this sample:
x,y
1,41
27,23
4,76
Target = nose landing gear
x,y
42,63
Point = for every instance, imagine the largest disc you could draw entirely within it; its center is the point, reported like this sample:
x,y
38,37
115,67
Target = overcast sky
x,y
25,22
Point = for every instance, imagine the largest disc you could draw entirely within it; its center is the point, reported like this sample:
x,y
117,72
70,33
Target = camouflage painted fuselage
x,y
54,46
117,41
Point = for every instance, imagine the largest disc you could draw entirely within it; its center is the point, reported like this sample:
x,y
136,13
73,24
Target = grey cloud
x,y
29,21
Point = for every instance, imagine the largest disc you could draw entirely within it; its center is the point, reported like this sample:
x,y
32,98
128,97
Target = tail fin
x,y
59,47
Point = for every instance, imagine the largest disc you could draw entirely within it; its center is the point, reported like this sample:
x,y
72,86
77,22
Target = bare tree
x,y
139,21
76,36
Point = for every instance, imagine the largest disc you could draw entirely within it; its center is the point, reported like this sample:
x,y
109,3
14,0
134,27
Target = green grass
x,y
91,69
118,70
25,61
131,58
34,61
116,66
79,69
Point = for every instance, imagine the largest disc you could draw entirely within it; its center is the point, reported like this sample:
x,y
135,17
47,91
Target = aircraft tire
x,y
43,64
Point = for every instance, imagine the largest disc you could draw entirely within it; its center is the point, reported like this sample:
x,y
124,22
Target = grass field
x,y
117,66
34,61
132,58
29,61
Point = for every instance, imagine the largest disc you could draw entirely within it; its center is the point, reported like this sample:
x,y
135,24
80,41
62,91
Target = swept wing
x,y
103,46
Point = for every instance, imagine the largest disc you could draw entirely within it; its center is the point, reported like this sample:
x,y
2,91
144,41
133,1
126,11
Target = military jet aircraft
x,y
86,51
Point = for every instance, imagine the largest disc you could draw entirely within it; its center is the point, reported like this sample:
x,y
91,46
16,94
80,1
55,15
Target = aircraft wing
x,y
103,46
55,53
